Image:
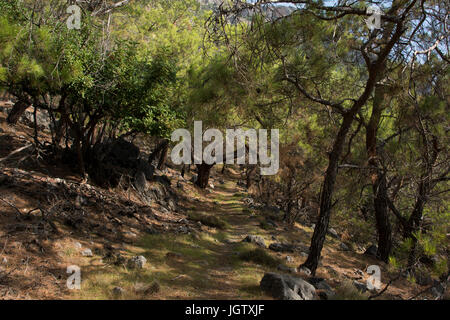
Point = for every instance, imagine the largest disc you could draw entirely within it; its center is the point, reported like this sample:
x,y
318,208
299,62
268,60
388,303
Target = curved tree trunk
x,y
17,111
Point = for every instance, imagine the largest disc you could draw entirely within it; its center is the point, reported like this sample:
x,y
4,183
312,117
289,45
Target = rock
x,y
137,262
183,229
333,233
4,260
362,287
319,283
305,271
344,247
285,287
87,253
118,292
371,251
259,241
289,259
282,247
211,186
287,269
77,245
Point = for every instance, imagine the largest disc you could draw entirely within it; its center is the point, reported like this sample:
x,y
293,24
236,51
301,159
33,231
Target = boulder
x,y
333,233
137,262
344,247
286,287
87,253
259,241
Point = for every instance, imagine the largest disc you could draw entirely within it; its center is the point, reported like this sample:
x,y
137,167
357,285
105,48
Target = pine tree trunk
x,y
17,111
378,177
204,171
326,196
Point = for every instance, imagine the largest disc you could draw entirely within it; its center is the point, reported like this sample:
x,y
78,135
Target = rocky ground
x,y
157,236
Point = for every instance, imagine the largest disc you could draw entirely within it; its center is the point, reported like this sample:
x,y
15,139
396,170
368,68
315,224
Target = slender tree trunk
x,y
17,111
326,196
204,171
378,177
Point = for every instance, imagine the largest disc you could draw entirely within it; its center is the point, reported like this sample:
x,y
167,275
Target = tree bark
x,y
378,178
163,156
326,196
17,111
204,171
333,163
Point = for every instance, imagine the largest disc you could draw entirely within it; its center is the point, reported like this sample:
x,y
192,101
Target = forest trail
x,y
209,264
200,262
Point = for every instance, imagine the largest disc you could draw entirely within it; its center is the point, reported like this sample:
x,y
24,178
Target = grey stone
x,y
137,262
259,241
344,247
289,259
87,253
333,233
305,271
286,287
